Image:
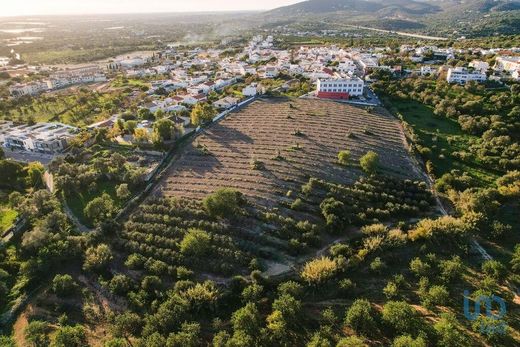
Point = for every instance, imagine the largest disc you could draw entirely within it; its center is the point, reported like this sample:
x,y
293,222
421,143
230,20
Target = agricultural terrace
x,y
272,147
281,156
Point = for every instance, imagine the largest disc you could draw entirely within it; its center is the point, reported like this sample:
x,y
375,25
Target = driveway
x,y
26,157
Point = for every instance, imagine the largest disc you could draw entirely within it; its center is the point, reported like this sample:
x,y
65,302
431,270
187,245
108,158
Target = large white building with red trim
x,y
342,88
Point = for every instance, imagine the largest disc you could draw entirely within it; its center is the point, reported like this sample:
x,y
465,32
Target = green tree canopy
x,y
196,243
202,113
97,258
100,209
369,162
225,202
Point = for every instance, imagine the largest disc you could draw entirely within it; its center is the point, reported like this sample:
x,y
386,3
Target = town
x,y
175,81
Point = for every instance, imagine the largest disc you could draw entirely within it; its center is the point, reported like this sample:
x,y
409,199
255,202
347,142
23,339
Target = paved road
x,y
26,157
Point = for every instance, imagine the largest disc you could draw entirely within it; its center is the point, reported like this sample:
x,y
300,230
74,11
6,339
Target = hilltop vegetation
x,y
442,18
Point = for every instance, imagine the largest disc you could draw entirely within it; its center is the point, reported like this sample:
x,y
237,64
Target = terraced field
x,y
273,146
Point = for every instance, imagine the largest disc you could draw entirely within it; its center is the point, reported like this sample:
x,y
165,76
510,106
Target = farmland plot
x,y
283,157
274,146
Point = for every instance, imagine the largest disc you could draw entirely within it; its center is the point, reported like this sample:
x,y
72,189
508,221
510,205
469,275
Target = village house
x,y
271,72
226,103
507,63
427,70
462,75
479,65
347,66
250,90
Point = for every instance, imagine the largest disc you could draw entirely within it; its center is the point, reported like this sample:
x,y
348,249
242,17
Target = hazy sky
x,y
46,7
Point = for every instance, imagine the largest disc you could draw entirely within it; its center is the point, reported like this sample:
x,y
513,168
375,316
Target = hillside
x,y
374,7
282,155
450,17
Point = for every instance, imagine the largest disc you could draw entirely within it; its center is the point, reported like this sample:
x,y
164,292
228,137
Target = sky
x,y
58,7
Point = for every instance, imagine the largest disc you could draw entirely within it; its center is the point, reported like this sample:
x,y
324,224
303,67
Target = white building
x,y
479,65
347,66
340,88
509,64
462,75
226,103
271,72
250,90
41,137
33,88
427,70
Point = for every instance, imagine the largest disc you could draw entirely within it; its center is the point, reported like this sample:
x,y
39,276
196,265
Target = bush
x,y
63,285
225,202
369,162
360,318
391,290
408,341
297,204
494,269
419,267
400,316
437,295
319,270
97,258
351,341
195,243
344,157
120,284
135,261
377,265
69,336
36,333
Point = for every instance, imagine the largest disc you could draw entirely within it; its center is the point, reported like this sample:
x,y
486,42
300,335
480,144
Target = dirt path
x,y
82,228
19,328
280,270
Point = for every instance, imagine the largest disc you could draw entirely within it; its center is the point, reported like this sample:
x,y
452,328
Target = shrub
x,y
377,265
120,284
297,204
400,316
195,243
408,341
69,336
419,268
495,269
291,288
63,285
36,333
122,191
437,295
390,290
224,202
319,270
369,162
351,341
97,258
344,157
360,318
